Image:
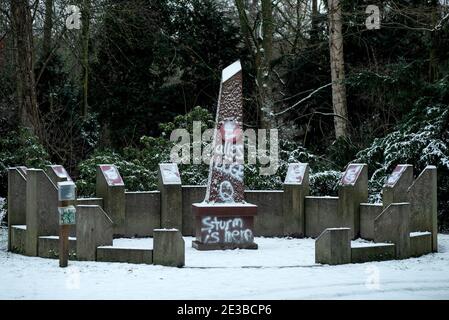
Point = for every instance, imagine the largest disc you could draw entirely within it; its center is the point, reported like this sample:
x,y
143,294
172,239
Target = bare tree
x,y
337,69
48,27
22,27
85,12
258,36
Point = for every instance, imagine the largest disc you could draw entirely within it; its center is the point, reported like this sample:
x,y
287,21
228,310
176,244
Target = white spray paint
x,y
232,230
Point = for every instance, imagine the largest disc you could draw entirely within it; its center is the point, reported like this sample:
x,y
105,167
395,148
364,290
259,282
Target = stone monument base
x,y
225,246
224,226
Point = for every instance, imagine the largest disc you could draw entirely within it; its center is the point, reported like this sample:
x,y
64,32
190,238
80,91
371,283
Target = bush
x,y
422,139
20,148
325,183
139,165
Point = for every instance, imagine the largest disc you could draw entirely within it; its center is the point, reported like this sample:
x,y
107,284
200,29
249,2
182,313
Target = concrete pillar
x,y
111,188
94,228
352,191
393,226
396,187
171,195
333,246
296,188
168,248
41,209
16,200
422,196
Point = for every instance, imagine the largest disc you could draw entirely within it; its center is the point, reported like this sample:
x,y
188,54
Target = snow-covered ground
x,y
280,269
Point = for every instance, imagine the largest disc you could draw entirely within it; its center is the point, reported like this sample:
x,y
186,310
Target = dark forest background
x,y
112,90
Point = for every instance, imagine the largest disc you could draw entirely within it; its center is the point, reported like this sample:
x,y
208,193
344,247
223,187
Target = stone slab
x,y
269,221
170,200
373,252
89,202
57,173
422,196
296,188
352,190
94,228
168,248
321,213
397,184
18,239
420,243
333,246
49,247
368,213
392,226
16,200
125,255
110,187
143,213
41,209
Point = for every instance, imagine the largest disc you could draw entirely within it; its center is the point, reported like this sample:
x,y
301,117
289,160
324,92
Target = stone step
x,y
48,247
124,255
420,243
362,252
17,239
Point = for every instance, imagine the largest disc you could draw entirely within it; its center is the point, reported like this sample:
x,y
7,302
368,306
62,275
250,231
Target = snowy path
x,y
280,269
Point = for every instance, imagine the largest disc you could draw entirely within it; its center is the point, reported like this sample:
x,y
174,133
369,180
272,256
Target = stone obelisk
x,y
224,220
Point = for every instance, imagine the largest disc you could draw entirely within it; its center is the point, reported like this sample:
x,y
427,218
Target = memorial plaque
x,y
351,174
396,174
67,216
170,173
60,172
224,220
66,191
295,173
112,175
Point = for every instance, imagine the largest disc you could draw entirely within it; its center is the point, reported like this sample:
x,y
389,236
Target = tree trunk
x,y
24,58
314,22
434,42
337,69
48,26
264,70
85,18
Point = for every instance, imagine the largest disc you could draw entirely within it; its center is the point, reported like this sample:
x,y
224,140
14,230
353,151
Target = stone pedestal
x,y
111,188
397,185
224,226
57,173
333,246
296,188
422,196
393,226
352,191
168,248
171,196
94,229
17,183
41,209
